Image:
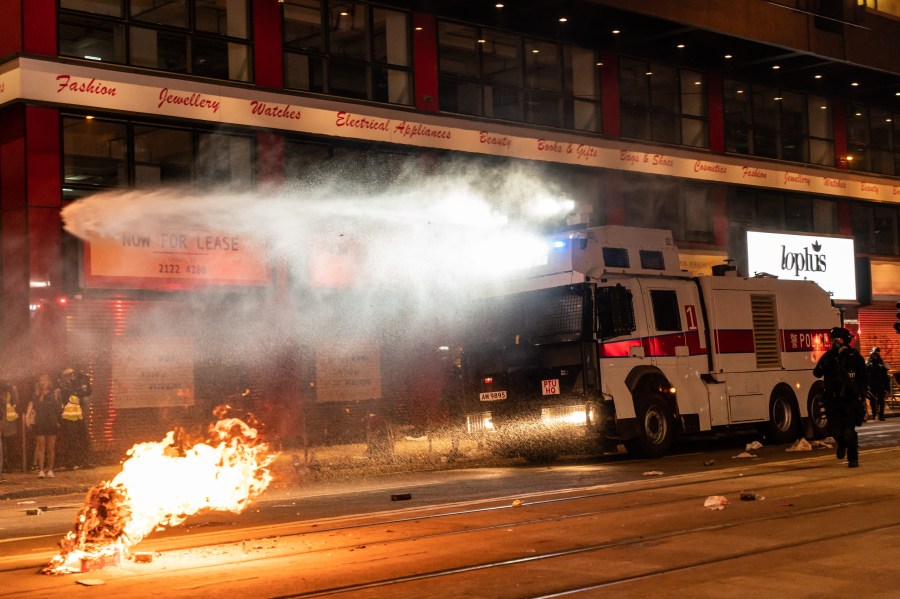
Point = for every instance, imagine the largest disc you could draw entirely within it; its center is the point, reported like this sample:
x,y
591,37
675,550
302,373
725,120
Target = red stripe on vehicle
x,y
618,349
657,346
734,341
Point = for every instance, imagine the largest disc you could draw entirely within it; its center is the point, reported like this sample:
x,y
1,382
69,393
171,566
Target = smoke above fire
x,y
160,485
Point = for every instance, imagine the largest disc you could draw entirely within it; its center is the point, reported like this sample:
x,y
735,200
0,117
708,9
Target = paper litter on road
x,y
744,454
716,502
754,445
822,445
800,444
653,473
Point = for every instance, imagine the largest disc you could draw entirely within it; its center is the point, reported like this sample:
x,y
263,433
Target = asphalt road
x,y
581,526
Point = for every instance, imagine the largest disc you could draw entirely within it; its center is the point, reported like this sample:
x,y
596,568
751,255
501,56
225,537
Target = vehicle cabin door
x,y
622,325
676,345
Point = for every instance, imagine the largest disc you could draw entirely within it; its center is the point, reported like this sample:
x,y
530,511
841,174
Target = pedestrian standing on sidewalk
x,y
879,382
47,414
844,373
9,429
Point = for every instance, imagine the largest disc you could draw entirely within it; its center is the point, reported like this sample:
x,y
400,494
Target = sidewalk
x,y
295,466
292,467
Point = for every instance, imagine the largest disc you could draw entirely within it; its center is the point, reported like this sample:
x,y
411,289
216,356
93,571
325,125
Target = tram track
x,y
367,529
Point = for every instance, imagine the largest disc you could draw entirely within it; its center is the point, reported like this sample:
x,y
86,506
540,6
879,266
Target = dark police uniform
x,y
844,372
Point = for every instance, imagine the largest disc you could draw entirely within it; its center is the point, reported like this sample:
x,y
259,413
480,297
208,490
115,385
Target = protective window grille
x,y
615,257
562,316
652,260
765,331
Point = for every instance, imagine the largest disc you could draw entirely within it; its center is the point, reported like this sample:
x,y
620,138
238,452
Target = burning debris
x,y
160,485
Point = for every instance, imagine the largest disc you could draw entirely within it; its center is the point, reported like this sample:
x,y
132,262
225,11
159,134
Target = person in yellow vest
x,y
9,406
75,444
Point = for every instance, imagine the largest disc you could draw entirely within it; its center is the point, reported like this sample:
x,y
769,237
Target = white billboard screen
x,y
829,261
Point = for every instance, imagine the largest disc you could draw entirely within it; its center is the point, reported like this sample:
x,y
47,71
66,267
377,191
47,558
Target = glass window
x,y
503,103
389,37
462,97
159,49
662,103
348,79
798,213
162,156
773,123
224,159
542,66
697,215
95,153
347,29
664,88
304,160
304,72
666,313
173,13
458,48
303,25
92,39
109,8
365,53
502,75
208,38
500,58
223,17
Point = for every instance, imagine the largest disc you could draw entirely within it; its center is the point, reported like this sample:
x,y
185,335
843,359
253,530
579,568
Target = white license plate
x,y
550,387
492,395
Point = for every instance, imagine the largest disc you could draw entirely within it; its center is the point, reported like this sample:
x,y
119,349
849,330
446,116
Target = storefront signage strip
x,y
73,85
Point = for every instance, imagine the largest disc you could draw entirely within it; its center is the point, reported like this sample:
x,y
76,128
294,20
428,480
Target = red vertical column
x,y
268,60
44,234
839,124
715,109
425,61
10,27
845,217
39,26
609,93
15,345
30,239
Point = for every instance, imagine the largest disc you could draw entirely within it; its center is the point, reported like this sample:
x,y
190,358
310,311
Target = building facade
x,y
710,118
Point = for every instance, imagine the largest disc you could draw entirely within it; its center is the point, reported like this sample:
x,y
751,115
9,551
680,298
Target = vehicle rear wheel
x,y
784,424
657,428
817,417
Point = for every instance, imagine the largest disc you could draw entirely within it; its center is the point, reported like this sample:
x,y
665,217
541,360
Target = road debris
x,y
653,473
822,445
401,496
753,445
744,454
800,444
516,502
34,512
709,462
750,496
142,557
716,502
90,582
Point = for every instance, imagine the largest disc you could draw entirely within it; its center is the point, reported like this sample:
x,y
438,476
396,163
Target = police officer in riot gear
x,y
844,373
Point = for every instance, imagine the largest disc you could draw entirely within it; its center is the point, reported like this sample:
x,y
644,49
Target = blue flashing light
x,y
559,244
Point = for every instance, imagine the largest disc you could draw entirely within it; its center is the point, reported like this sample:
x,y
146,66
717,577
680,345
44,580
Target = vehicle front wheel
x,y
656,426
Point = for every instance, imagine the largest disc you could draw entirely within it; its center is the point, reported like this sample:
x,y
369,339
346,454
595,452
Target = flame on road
x,y
160,485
